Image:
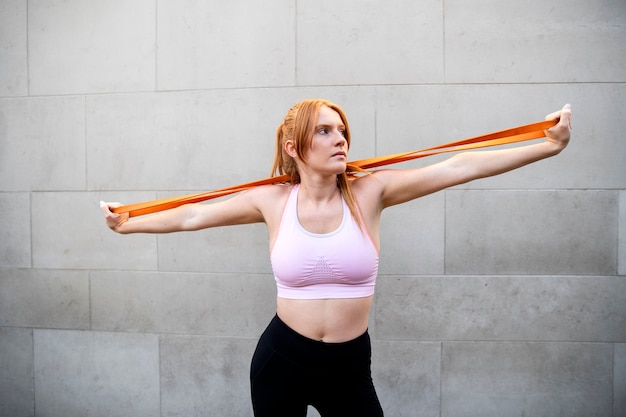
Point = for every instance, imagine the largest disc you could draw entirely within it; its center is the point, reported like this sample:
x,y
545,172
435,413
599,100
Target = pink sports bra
x,y
310,266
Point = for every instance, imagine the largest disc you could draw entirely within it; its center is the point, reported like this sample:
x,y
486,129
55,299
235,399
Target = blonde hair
x,y
298,126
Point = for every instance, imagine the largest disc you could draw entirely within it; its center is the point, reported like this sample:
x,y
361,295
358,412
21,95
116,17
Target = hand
x,y
113,220
561,132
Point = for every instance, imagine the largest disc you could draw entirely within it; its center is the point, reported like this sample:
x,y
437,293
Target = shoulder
x,y
370,184
270,192
396,186
368,190
269,198
387,187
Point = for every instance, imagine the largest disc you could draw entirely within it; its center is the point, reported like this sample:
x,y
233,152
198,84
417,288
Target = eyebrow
x,y
329,125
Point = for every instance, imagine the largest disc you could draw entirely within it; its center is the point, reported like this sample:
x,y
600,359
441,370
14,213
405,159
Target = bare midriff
x,y
330,320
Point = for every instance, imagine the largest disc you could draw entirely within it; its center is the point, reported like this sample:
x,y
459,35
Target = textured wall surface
x,y
501,297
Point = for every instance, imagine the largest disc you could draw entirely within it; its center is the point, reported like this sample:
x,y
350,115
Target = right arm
x,y
243,208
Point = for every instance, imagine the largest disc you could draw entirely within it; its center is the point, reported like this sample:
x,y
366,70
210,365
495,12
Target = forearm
x,y
174,220
485,164
475,165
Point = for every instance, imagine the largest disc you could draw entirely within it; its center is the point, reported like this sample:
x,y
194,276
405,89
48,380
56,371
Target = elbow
x,y
463,170
189,220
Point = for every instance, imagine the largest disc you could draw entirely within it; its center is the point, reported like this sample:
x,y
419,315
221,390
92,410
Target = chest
x,y
320,218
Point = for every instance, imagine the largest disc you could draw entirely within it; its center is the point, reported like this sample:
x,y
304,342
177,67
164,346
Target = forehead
x,y
328,116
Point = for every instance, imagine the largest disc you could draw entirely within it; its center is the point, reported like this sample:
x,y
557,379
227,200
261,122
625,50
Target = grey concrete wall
x,y
502,297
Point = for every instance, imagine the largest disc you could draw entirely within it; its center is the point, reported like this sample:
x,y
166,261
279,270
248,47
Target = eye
x,y
343,133
323,131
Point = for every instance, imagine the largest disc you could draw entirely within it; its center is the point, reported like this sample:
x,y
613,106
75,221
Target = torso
x,y
332,321
328,320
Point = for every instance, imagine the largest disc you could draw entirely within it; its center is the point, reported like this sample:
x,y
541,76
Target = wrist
x,y
121,228
554,147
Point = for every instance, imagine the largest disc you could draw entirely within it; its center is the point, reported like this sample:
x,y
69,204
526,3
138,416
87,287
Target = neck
x,y
317,189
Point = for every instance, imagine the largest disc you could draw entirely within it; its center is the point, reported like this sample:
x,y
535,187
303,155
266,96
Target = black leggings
x,y
289,372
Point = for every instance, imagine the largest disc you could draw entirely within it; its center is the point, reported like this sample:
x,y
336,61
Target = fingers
x,y
106,207
560,133
113,220
564,116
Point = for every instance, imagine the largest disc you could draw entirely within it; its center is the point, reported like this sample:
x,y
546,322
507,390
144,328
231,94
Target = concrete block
x,y
501,308
216,305
407,377
225,44
203,376
340,44
59,243
621,244
415,117
17,391
519,42
419,116
619,380
239,249
44,298
78,47
14,50
202,140
189,141
43,144
534,379
96,374
410,117
531,232
15,245
412,237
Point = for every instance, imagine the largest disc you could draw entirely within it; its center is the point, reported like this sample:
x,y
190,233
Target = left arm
x,y
399,186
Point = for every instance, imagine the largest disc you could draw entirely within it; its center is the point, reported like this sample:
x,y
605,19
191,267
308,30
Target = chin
x,y
342,168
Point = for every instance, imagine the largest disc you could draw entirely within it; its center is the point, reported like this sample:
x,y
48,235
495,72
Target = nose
x,y
340,138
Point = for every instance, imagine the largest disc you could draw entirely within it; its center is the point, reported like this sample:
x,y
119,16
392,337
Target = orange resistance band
x,y
502,137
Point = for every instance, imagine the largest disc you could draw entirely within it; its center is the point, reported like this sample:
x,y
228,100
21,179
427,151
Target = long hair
x,y
298,126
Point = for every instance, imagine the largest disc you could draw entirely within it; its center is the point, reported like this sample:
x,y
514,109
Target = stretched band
x,y
501,137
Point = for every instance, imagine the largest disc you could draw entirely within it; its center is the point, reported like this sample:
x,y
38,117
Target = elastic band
x,y
502,137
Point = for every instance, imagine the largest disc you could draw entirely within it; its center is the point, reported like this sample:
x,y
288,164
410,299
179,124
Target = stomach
x,y
330,320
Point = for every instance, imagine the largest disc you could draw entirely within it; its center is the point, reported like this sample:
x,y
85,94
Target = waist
x,y
328,320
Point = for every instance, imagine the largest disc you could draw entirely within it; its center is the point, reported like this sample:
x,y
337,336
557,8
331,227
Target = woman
x,y
324,234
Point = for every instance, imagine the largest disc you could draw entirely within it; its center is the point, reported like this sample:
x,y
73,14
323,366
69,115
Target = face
x,y
329,148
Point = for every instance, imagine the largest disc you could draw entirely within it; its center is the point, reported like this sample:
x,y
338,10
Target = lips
x,y
340,154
